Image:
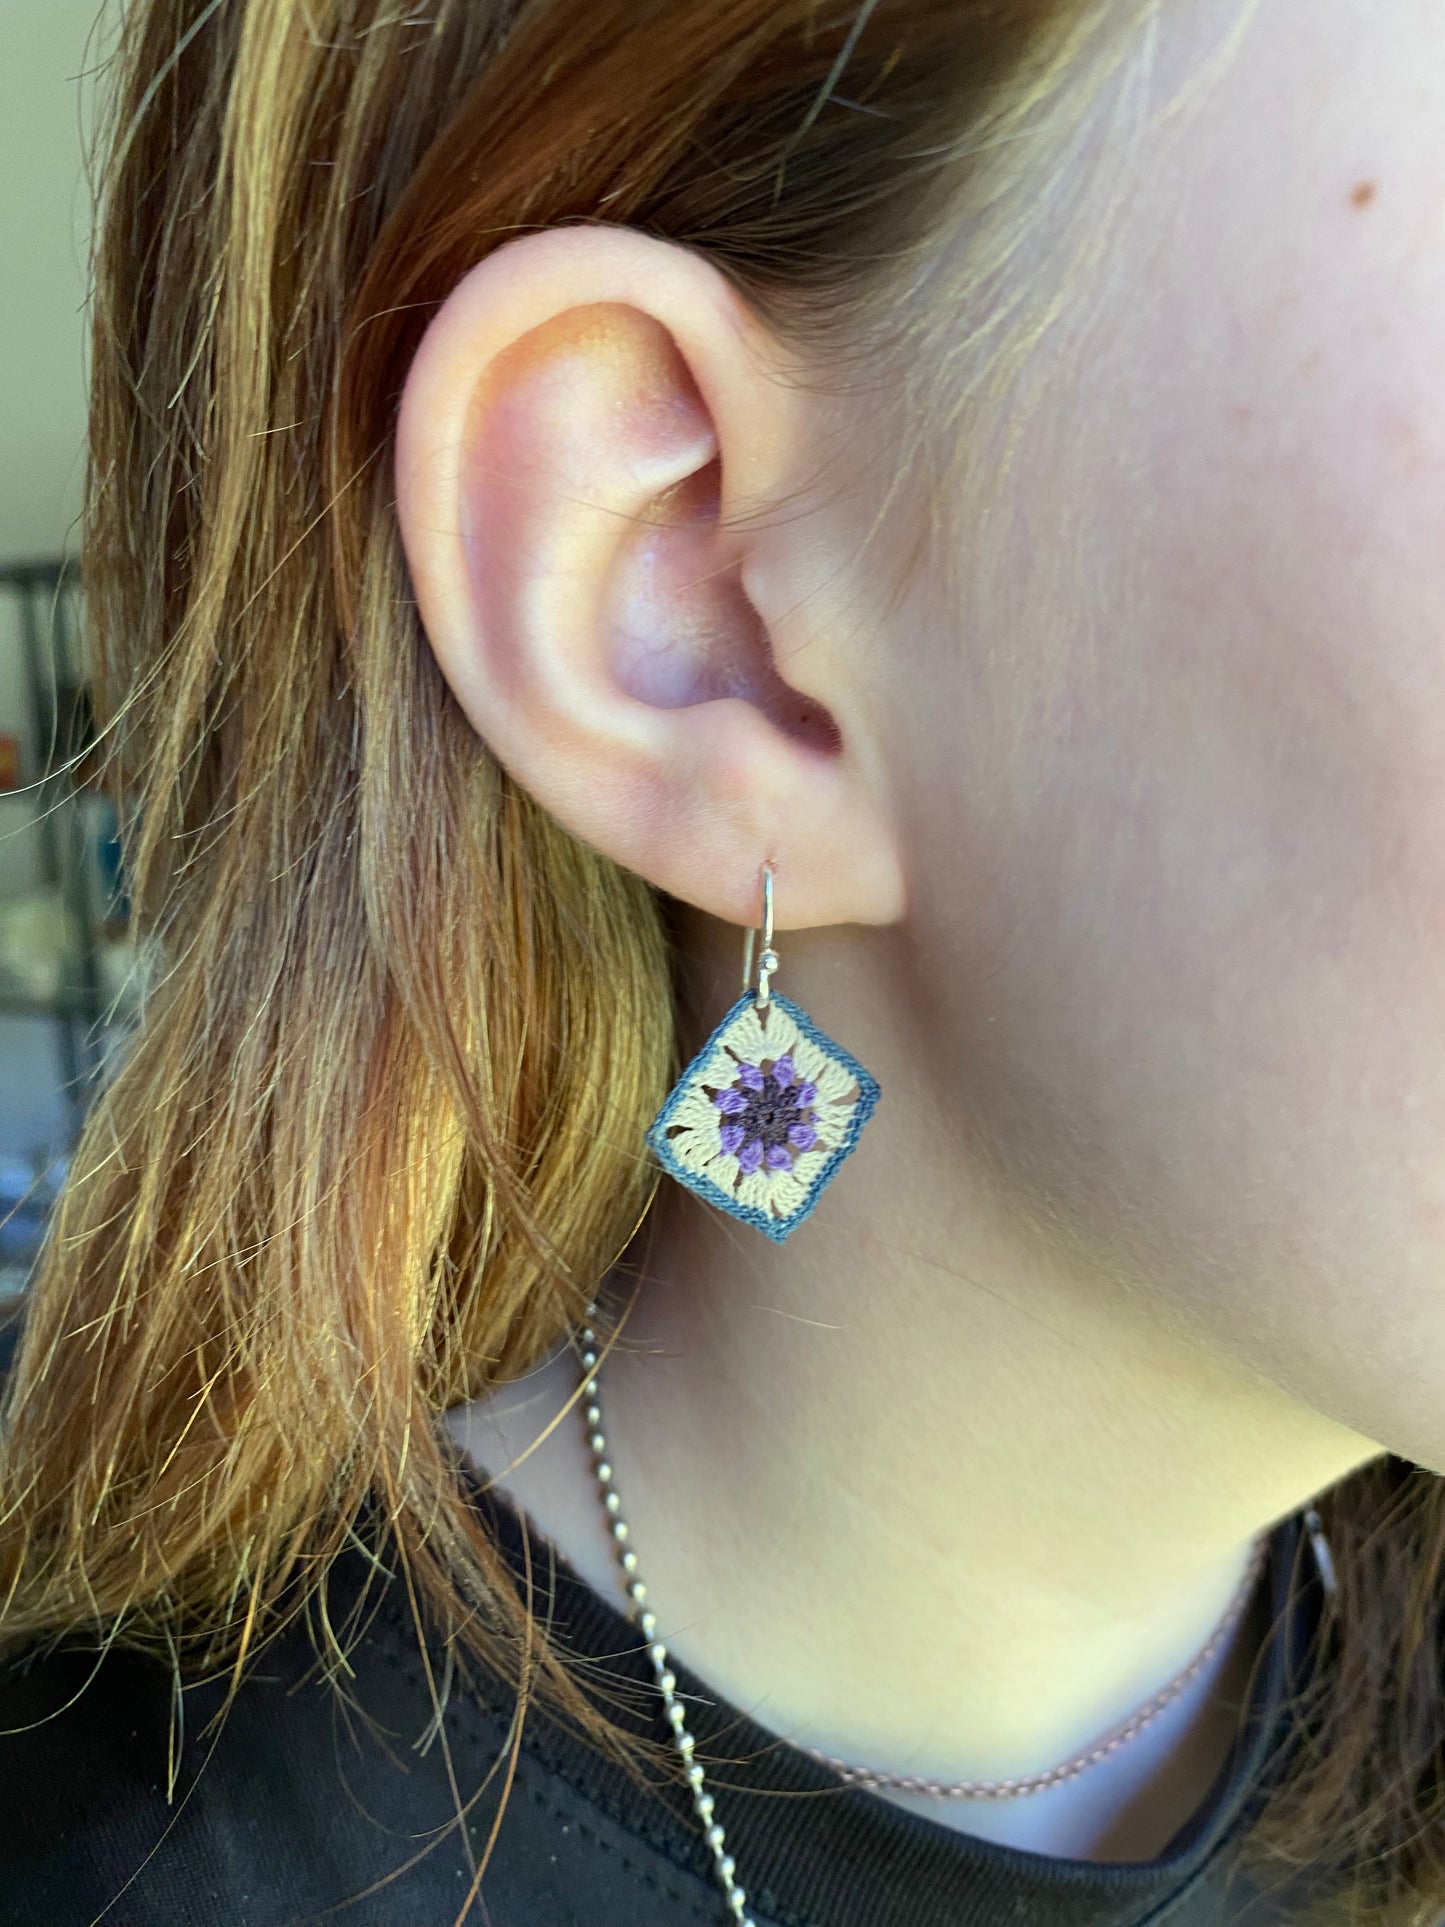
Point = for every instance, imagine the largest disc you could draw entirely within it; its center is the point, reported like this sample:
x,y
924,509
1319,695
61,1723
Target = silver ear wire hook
x,y
768,959
760,1120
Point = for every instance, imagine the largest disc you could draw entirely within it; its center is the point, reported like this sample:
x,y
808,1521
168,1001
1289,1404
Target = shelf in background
x,y
56,964
77,1007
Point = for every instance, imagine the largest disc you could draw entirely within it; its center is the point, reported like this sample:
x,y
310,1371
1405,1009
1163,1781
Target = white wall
x,y
46,46
44,235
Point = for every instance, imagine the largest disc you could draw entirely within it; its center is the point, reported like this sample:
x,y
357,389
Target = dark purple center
x,y
767,1115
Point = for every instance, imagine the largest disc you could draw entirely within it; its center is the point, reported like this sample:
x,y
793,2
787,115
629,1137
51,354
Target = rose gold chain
x,y
998,1789
703,1801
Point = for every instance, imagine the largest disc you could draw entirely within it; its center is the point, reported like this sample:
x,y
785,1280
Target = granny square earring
x,y
769,1108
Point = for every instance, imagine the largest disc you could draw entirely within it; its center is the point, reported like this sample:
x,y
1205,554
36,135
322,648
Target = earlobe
x,y
563,455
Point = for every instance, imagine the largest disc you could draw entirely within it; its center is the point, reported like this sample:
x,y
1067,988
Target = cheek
x,y
1207,1014
1235,1010
1194,938
1188,980
1177,801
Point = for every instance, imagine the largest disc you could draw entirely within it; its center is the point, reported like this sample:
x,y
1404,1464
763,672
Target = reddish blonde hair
x,y
380,1129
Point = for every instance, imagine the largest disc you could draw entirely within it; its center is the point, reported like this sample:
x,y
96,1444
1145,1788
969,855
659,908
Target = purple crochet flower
x,y
767,1115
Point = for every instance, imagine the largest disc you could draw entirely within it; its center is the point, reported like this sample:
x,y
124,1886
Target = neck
x,y
883,1548
924,1490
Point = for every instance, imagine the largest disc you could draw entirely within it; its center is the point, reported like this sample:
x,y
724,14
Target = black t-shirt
x,y
311,1808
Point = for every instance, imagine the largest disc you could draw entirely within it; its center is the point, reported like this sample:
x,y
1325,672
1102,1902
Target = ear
x,y
586,435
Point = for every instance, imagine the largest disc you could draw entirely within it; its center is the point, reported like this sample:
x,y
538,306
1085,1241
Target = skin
x,y
1125,876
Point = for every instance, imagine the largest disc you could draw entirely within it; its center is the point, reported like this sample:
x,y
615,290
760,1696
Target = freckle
x,y
1364,194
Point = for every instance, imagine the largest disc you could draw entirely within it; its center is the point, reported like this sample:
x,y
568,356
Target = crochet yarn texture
x,y
763,1116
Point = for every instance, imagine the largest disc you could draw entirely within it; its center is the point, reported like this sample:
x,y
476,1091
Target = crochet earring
x,y
763,1116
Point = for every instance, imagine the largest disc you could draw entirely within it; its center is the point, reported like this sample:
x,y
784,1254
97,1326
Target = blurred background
x,y
66,959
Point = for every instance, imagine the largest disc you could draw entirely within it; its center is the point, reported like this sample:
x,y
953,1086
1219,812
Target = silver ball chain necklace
x,y
641,1614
